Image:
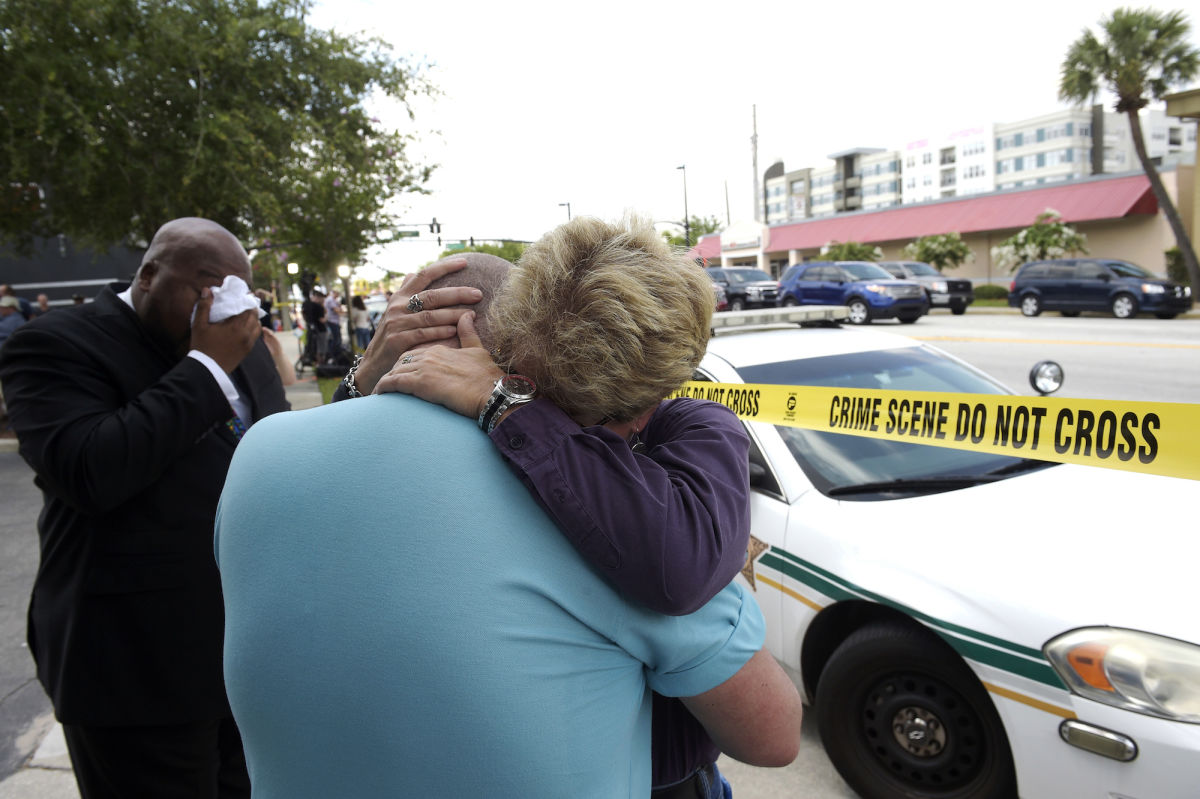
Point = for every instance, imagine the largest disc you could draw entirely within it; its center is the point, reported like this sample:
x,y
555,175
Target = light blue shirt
x,y
414,625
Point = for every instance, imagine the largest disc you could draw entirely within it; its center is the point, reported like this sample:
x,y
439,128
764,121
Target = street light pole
x,y
560,205
687,224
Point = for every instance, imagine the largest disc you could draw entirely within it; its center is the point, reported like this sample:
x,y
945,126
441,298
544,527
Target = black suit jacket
x,y
130,448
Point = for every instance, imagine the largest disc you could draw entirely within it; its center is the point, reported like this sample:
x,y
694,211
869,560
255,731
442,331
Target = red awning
x,y
1110,198
708,247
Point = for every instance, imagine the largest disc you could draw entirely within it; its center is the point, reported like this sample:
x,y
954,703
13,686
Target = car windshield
x,y
861,270
746,275
922,270
858,468
1126,269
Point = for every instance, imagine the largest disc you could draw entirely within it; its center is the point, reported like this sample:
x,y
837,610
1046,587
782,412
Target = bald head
x,y
486,273
191,239
185,256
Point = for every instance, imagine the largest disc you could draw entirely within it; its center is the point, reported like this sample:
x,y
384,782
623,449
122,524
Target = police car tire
x,y
887,672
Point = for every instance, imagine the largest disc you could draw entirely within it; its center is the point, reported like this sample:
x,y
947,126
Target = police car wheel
x,y
901,714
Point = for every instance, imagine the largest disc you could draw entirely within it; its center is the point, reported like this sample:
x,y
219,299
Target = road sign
x,y
456,245
404,234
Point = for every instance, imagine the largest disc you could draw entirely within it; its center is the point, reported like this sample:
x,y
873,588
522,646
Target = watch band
x,y
501,399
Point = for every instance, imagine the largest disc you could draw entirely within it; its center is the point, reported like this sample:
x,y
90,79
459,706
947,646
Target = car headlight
x,y
1153,288
1133,670
877,289
939,286
1187,291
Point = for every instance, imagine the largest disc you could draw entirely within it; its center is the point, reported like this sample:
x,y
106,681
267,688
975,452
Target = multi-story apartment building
x,y
1168,140
880,175
953,165
823,190
774,206
1065,145
1046,149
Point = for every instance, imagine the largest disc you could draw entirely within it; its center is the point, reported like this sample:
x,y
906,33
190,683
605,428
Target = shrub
x,y
1176,269
989,291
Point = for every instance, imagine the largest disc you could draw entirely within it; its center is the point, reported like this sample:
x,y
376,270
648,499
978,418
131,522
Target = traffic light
x,y
472,241
435,227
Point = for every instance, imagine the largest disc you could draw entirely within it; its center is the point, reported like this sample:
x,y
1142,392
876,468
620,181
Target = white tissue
x,y
230,299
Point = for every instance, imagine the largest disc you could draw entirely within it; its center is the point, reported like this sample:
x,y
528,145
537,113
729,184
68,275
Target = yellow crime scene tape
x,y
1153,437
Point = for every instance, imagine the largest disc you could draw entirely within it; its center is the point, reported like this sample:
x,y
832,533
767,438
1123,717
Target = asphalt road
x,y
1142,359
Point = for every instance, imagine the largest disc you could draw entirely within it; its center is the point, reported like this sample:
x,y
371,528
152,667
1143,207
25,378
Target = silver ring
x,y
415,305
407,358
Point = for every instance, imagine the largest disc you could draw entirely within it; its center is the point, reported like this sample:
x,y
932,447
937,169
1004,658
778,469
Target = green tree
x,y
1047,237
698,226
120,115
941,251
510,251
1141,55
850,251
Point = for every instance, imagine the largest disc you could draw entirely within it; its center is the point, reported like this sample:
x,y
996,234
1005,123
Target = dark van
x,y
1073,285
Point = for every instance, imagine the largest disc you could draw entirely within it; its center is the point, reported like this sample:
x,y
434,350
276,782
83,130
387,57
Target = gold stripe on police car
x,y
1154,437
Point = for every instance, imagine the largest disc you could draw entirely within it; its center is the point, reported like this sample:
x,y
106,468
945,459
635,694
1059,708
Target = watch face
x,y
518,386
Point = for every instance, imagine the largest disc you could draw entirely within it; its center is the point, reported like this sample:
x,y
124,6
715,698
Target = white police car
x,y
968,624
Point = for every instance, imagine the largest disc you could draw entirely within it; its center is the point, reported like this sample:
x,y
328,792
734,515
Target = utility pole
x,y
687,224
754,158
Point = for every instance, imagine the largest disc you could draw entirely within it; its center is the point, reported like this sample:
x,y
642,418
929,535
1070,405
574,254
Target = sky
x,y
598,104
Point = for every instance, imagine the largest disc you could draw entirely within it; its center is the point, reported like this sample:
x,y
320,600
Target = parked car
x,y
1074,285
966,624
720,298
954,293
376,304
746,287
863,287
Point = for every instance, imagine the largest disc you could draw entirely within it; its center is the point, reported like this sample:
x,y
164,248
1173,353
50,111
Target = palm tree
x,y
1143,52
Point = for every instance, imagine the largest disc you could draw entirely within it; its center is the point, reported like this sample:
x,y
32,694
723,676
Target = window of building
x,y
1175,137
927,158
1018,163
798,186
947,156
1041,159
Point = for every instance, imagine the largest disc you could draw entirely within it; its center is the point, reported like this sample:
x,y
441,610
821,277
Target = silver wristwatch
x,y
509,392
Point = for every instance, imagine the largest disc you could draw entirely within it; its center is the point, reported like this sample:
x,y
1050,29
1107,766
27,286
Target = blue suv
x,y
863,287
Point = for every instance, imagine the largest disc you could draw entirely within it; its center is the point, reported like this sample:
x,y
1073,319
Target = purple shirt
x,y
668,528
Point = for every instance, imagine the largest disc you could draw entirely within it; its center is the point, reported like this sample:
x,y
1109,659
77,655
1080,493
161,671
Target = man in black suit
x,y
128,411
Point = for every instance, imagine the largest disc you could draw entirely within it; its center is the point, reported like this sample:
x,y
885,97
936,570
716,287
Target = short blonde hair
x,y
607,318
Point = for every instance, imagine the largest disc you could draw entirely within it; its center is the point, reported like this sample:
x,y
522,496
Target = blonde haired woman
x,y
599,322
